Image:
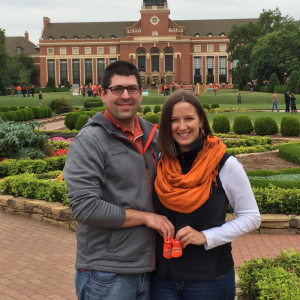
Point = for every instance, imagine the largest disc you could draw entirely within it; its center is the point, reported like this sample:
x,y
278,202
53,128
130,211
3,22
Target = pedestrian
x,y
32,91
89,90
293,104
287,100
23,90
275,101
40,98
83,91
215,88
239,97
193,186
173,88
109,171
12,90
19,91
28,90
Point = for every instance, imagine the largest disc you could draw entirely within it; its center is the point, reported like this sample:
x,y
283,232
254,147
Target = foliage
x,y
152,118
60,106
265,173
10,116
290,126
51,83
71,119
93,103
3,117
23,77
251,149
247,142
265,183
242,125
265,126
146,109
20,116
67,84
290,152
36,112
293,81
30,114
157,108
215,105
273,81
206,106
19,140
221,124
81,121
281,89
3,62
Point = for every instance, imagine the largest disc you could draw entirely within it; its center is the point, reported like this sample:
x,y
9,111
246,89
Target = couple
x,y
127,198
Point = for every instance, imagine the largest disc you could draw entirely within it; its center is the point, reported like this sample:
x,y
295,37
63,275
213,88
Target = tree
x,y
293,82
272,82
3,62
51,83
23,77
13,72
67,84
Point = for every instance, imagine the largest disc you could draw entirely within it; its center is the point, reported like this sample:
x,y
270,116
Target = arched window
x,y
112,36
210,34
100,37
63,37
141,59
51,38
169,50
75,37
155,60
169,60
88,37
141,51
155,50
222,34
197,34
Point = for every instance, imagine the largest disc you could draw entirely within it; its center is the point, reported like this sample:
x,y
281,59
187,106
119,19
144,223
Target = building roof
x,y
12,42
107,29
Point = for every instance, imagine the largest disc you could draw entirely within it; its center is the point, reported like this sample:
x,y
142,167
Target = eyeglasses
x,y
119,89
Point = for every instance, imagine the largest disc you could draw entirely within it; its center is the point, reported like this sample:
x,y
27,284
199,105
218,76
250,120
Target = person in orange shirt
x,y
215,88
19,91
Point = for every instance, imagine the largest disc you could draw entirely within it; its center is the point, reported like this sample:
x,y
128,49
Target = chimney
x,y
26,35
46,21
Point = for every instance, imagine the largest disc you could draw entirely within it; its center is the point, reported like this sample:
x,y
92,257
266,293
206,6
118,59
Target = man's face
x,y
122,107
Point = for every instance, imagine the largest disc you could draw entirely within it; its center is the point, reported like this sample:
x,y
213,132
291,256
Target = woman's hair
x,y
292,95
165,139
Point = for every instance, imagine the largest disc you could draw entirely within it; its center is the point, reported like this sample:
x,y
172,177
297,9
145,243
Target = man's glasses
x,y
119,89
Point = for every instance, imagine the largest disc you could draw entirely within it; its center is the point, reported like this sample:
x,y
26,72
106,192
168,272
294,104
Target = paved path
x,y
37,260
54,125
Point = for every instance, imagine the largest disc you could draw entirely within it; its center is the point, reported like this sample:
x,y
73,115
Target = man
x,y
18,91
287,100
110,171
239,97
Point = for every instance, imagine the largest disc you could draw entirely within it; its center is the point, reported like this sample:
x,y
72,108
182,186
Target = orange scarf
x,y
186,193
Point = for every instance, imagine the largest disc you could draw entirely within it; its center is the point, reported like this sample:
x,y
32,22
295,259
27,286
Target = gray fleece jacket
x,y
106,174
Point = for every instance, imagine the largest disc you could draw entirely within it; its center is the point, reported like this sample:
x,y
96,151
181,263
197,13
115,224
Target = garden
x,y
267,144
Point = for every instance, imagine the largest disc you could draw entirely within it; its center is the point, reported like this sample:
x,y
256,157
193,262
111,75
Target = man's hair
x,y
166,142
119,67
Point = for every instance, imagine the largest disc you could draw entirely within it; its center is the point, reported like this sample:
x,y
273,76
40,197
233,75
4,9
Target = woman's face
x,y
185,125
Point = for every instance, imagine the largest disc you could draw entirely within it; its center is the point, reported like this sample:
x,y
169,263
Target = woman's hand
x,y
188,235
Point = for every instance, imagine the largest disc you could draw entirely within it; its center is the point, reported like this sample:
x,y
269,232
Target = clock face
x,y
154,20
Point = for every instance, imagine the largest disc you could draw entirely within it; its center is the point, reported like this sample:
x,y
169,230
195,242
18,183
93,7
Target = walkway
x,y
37,260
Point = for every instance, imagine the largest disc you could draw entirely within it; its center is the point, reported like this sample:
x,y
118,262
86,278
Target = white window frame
x,y
208,48
100,50
223,46
74,51
63,50
88,50
113,49
49,50
197,48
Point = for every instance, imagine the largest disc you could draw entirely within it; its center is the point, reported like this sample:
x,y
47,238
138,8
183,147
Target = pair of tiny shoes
x,y
172,248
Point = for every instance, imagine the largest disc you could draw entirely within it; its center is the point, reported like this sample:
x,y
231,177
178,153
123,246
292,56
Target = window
x,y
63,71
88,37
113,49
88,71
169,50
87,50
51,38
222,69
197,48
210,34
197,69
141,51
63,51
154,51
141,59
19,49
197,35
210,48
100,50
75,37
100,37
222,47
112,36
112,60
168,59
210,69
100,68
51,68
50,51
63,37
75,50
76,71
222,34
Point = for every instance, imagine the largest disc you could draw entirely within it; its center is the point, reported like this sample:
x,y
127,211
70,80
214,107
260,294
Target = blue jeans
x,y
96,285
220,288
18,93
275,105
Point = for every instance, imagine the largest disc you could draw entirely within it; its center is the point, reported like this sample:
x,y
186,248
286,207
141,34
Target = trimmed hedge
x,y
280,89
272,172
206,105
11,116
252,141
221,124
152,118
290,152
2,116
146,109
93,103
81,121
265,126
214,105
264,89
20,116
284,184
30,113
242,125
71,119
252,149
157,108
13,108
290,126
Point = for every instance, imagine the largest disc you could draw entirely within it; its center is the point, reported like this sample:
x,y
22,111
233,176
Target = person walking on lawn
x,y
110,170
275,101
239,97
293,103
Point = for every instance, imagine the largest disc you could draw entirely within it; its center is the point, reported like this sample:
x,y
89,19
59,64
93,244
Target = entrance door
x,y
144,82
155,80
169,79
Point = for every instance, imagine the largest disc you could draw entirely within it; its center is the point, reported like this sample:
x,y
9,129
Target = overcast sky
x,y
18,16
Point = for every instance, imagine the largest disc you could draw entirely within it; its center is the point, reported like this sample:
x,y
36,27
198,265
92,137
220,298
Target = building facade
x,y
163,50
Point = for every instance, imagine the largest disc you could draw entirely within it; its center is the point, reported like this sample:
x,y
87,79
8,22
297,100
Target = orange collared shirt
x,y
135,136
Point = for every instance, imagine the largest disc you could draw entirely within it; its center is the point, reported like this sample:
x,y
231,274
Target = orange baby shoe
x,y
168,248
177,248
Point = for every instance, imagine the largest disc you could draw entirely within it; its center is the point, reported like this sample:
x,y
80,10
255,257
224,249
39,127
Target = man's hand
x,y
188,235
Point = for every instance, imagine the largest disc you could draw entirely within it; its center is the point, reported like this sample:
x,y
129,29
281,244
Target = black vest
x,y
196,263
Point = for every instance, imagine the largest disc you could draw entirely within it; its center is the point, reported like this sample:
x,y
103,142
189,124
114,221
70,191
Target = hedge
x,y
264,89
252,141
290,152
272,172
280,89
284,184
93,103
253,149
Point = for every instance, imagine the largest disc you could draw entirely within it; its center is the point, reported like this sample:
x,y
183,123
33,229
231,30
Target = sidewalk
x,y
54,125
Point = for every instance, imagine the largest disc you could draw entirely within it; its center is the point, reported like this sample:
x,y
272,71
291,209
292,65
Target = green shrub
x,y
71,119
264,89
206,106
50,83
221,124
281,89
22,107
152,118
30,113
251,149
157,108
215,105
265,126
93,103
284,184
290,152
247,142
139,114
272,82
81,121
11,116
4,108
42,113
60,106
49,111
293,82
24,113
290,126
97,109
246,88
264,173
20,116
13,108
67,84
36,112
242,125
2,116
146,109
140,110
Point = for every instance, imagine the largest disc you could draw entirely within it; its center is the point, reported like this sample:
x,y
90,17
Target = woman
x,y
293,104
41,99
196,179
275,101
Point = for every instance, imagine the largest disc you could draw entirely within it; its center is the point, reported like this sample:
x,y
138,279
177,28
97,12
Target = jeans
x,y
287,107
95,285
28,93
18,93
275,105
220,288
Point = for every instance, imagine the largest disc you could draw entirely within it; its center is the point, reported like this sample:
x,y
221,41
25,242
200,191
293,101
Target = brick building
x,y
162,49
